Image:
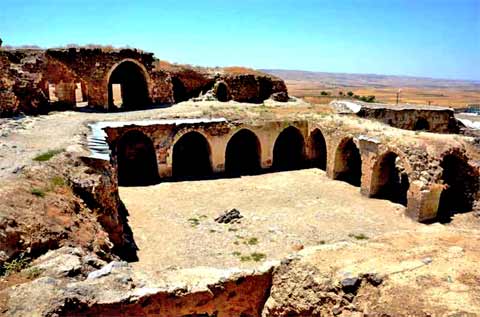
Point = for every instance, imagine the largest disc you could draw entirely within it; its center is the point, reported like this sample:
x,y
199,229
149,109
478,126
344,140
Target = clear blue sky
x,y
433,38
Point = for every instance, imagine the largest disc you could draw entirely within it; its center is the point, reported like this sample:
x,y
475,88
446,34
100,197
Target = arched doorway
x,y
348,163
462,185
179,90
221,92
289,150
191,157
421,125
389,179
318,150
137,162
127,87
242,156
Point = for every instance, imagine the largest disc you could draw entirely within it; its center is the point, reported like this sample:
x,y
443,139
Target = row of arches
x,y
191,155
191,159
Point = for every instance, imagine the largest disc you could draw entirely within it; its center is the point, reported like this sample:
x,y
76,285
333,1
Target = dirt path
x,y
173,223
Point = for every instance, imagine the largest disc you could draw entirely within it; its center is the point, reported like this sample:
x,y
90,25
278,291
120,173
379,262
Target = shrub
x,y
57,181
16,265
257,257
350,93
324,93
38,192
359,236
252,241
47,155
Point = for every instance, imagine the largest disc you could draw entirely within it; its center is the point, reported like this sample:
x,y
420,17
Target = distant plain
x,y
415,90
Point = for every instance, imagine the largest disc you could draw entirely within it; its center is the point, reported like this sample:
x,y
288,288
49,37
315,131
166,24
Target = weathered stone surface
x,y
27,76
408,117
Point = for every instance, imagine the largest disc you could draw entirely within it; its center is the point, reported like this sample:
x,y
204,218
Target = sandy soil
x,y
173,223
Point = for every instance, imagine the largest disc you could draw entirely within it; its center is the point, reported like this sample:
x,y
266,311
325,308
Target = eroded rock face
x,y
117,291
398,274
432,272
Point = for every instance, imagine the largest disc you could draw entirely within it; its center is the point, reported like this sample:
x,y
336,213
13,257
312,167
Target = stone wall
x,y
404,116
420,163
439,121
29,78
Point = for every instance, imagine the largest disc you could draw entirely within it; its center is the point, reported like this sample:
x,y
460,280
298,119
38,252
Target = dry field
x,y
455,94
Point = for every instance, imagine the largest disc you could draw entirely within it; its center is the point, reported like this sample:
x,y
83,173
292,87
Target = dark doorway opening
x,y
137,162
319,150
421,125
242,156
221,92
127,87
348,163
191,157
179,90
389,180
289,150
462,186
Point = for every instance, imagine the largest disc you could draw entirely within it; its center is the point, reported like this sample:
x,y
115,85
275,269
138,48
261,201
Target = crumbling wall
x,y
439,121
20,82
94,65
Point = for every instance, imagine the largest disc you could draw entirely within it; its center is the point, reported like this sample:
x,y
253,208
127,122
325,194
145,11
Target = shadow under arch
x,y
389,179
348,162
137,160
289,150
128,86
461,186
318,149
243,154
421,124
191,158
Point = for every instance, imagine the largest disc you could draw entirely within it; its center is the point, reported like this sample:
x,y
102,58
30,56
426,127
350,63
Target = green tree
x,y
350,93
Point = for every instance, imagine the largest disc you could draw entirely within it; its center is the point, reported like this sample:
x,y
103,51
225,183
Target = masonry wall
x,y
422,166
28,78
439,121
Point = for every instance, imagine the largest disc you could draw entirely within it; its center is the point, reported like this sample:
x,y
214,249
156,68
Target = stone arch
x,y
221,91
461,186
390,179
243,153
348,162
128,85
289,150
421,124
318,149
136,159
191,158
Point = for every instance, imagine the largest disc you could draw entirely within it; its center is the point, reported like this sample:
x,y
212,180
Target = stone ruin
x,y
404,116
432,179
430,184
35,81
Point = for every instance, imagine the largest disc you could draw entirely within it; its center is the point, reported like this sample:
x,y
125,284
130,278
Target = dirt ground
x,y
173,223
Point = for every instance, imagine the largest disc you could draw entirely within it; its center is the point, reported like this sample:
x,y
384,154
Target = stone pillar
x,y
218,146
423,200
368,148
